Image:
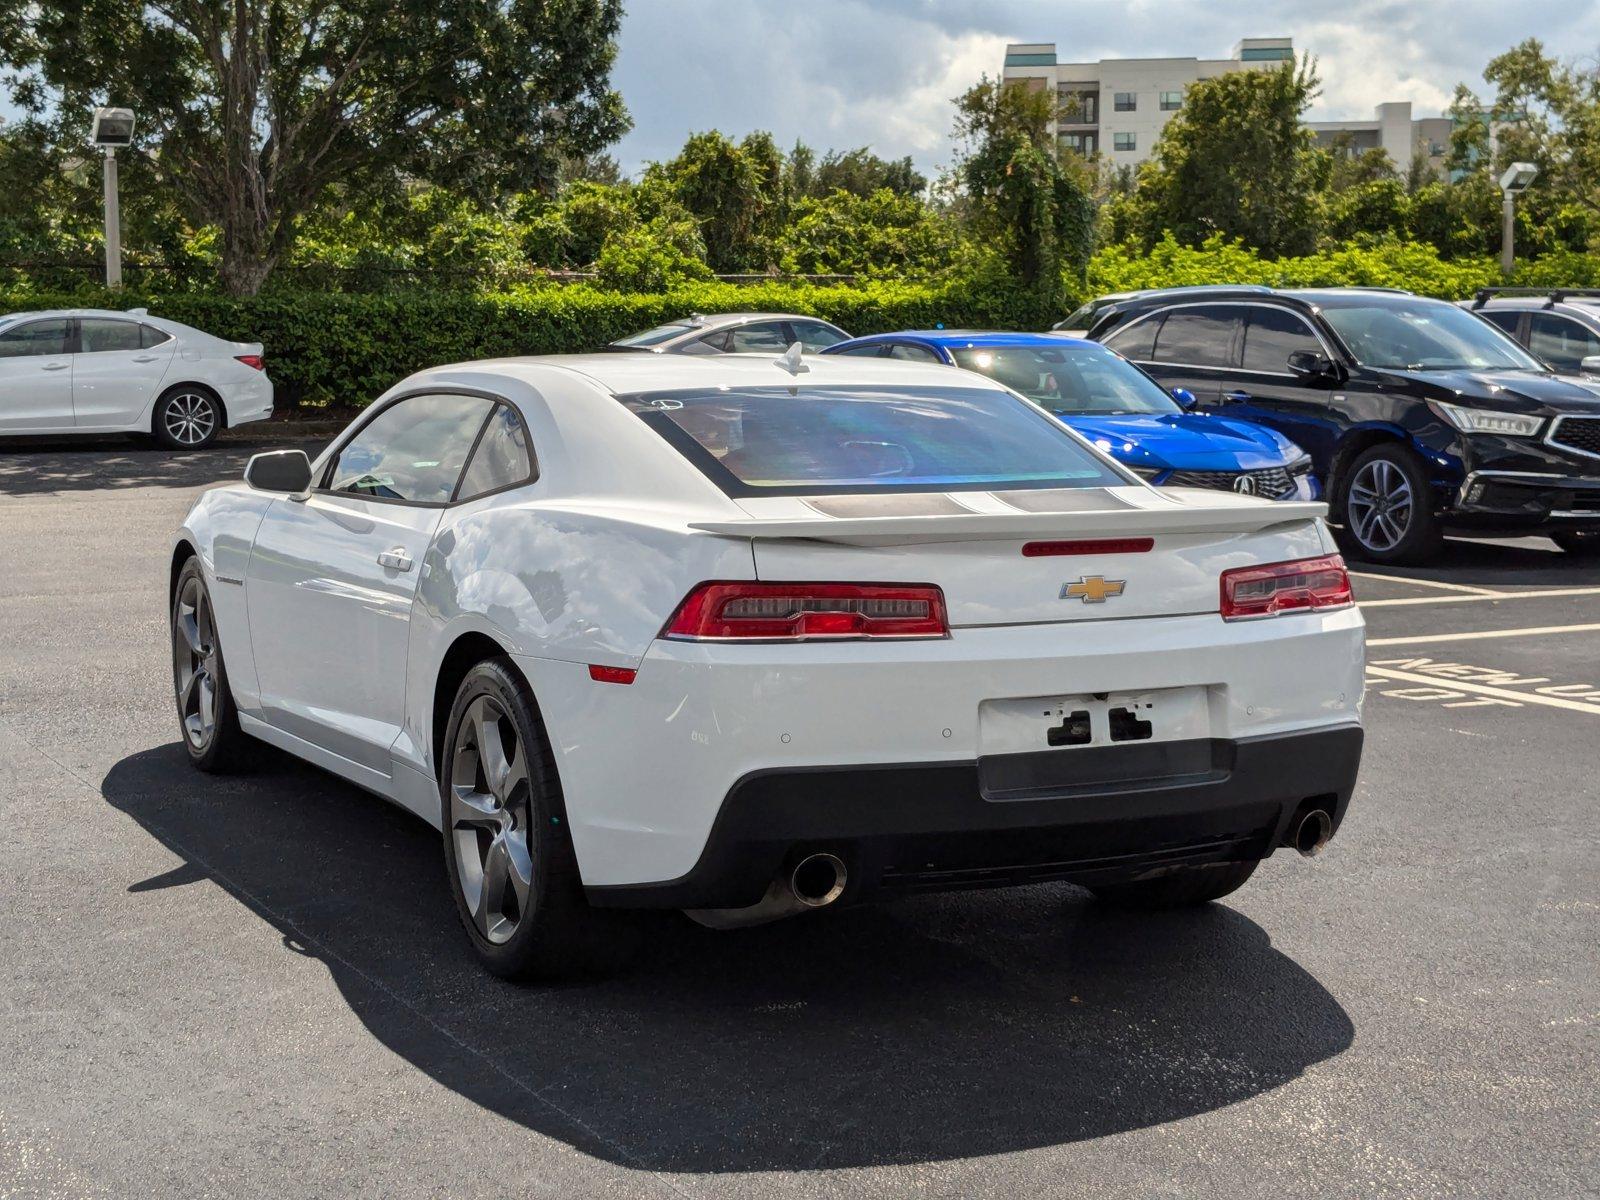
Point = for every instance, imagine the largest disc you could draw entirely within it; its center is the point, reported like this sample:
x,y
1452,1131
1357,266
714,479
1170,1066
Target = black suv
x,y
1418,416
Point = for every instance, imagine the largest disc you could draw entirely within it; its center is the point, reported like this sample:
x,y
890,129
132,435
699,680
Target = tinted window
x,y
1560,341
814,335
99,337
149,336
1070,380
1200,337
912,353
870,350
713,343
1137,340
1504,318
757,339
1271,335
502,458
1424,335
35,337
413,450
812,439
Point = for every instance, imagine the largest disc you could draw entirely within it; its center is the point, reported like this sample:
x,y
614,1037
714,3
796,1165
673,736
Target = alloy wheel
x,y
189,418
195,663
489,818
1380,505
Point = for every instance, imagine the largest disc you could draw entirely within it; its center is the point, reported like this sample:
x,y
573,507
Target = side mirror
x,y
1184,397
1590,365
279,471
1308,364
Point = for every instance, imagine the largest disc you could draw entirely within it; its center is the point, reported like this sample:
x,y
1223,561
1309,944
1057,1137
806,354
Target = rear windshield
x,y
654,337
777,441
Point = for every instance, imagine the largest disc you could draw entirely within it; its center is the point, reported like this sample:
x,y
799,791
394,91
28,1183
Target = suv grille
x,y
1578,433
1270,483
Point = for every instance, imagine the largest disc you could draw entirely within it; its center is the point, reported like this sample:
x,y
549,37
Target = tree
x,y
881,233
253,109
735,190
1551,117
1018,192
1237,161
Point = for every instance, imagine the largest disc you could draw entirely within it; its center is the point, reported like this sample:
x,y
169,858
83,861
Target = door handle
x,y
144,358
1236,397
396,559
56,366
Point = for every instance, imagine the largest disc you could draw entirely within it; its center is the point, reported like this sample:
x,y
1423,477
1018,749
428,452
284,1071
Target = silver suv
x,y
1559,326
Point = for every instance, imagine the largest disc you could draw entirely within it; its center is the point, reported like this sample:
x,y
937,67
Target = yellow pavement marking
x,y
1534,595
1462,685
1427,583
1481,633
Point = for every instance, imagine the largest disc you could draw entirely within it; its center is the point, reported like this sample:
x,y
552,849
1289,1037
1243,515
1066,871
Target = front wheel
x,y
507,850
187,418
1582,543
207,718
1179,889
1388,507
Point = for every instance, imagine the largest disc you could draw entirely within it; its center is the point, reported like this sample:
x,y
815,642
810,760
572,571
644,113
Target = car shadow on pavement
x,y
32,466
915,1031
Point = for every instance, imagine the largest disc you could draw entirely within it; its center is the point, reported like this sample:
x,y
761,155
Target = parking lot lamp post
x,y
113,127
1516,179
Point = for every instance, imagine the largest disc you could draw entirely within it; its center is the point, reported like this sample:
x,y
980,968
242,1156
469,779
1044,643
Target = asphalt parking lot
x,y
255,986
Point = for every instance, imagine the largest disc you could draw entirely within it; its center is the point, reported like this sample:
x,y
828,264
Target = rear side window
x,y
1271,335
757,339
1505,318
870,350
411,451
912,353
149,336
101,337
1197,337
814,335
813,440
35,338
1560,341
503,458
1136,341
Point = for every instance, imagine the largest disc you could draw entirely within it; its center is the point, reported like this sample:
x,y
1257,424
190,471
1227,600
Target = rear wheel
x,y
507,850
207,718
1388,507
1583,543
187,417
1180,889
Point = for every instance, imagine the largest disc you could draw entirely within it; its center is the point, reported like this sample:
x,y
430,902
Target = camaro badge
x,y
1093,589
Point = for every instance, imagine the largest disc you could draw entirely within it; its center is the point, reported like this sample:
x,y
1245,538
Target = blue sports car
x,y
1117,406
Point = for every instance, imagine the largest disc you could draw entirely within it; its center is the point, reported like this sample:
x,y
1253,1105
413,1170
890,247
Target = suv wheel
x,y
1387,507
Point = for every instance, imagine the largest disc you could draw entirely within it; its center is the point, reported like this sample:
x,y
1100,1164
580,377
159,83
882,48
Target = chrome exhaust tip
x,y
818,880
1312,833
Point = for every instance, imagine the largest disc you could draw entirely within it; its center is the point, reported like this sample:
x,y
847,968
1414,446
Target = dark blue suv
x,y
1419,417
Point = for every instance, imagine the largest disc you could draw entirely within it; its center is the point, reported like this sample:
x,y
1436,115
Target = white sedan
x,y
748,637
96,371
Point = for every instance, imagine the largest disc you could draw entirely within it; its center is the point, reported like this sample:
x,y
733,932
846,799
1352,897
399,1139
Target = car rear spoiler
x,y
1022,526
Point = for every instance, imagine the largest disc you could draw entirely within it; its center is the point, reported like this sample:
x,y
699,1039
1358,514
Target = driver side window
x,y
412,451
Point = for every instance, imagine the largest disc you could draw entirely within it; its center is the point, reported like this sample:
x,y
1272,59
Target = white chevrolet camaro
x,y
753,636
97,371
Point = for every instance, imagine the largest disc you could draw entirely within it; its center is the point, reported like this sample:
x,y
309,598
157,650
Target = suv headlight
x,y
1482,420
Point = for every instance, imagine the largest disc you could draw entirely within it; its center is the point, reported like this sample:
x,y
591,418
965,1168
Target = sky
x,y
881,73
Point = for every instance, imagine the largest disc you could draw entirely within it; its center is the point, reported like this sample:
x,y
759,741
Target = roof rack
x,y
1552,296
1377,287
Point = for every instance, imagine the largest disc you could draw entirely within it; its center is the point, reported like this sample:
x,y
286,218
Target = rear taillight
x,y
1309,583
1137,545
251,360
797,612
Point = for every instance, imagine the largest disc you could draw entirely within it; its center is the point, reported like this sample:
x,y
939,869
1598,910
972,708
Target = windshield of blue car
x,y
654,337
1069,380
1425,337
805,440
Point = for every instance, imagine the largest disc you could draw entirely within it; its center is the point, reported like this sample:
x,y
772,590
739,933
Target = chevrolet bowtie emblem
x,y
1093,589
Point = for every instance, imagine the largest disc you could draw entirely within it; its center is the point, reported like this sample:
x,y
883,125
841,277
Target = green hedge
x,y
346,349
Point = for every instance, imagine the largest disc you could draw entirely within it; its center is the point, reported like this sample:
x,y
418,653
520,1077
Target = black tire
x,y
199,672
186,417
1581,543
1180,889
1394,523
555,934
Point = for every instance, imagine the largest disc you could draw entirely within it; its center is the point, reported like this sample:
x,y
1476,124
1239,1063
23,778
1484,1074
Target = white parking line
x,y
1481,633
1534,595
1482,690
1427,583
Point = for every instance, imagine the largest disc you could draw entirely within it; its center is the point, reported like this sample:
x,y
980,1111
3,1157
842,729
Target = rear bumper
x,y
1101,815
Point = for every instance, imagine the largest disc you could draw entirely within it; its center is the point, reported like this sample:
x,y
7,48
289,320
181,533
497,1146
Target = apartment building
x,y
1117,107
1394,131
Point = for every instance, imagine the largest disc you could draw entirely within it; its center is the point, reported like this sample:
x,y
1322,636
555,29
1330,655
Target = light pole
x,y
113,127
1515,181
